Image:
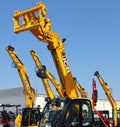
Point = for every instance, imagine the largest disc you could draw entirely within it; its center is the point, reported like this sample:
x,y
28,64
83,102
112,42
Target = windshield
x,y
86,113
51,113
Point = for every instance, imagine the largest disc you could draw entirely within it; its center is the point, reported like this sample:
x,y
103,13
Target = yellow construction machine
x,y
112,101
30,116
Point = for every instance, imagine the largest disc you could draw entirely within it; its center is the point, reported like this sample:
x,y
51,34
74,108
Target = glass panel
x,y
51,114
72,116
86,113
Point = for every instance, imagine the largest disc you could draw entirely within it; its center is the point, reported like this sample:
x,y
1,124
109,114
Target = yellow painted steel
x,y
28,90
45,81
40,27
54,82
109,96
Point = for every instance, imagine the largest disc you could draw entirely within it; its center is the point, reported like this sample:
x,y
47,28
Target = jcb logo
x,y
66,64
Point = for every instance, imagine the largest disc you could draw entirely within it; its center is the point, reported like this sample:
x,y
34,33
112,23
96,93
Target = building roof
x,y
12,92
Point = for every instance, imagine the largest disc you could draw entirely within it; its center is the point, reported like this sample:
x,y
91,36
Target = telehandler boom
x,y
110,98
82,91
44,74
101,118
25,119
41,73
39,26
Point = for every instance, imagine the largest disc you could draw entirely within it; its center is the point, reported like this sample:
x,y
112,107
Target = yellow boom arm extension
x,y
49,76
34,20
29,91
109,96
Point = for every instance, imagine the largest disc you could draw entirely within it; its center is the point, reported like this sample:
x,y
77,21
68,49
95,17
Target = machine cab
x,y
68,113
31,117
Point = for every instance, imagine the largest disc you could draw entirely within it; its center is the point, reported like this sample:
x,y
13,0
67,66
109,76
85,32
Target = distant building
x,y
12,96
104,104
16,96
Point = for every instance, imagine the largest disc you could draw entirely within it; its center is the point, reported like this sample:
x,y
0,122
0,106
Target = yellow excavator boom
x,y
80,89
26,118
28,90
109,96
43,75
43,69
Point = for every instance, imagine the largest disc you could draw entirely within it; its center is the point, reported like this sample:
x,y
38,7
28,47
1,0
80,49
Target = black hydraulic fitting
x,y
41,73
10,48
96,73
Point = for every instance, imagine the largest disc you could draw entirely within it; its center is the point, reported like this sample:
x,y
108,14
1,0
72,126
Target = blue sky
x,y
92,30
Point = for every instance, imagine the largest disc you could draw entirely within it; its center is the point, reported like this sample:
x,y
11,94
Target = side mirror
x,y
95,96
94,92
